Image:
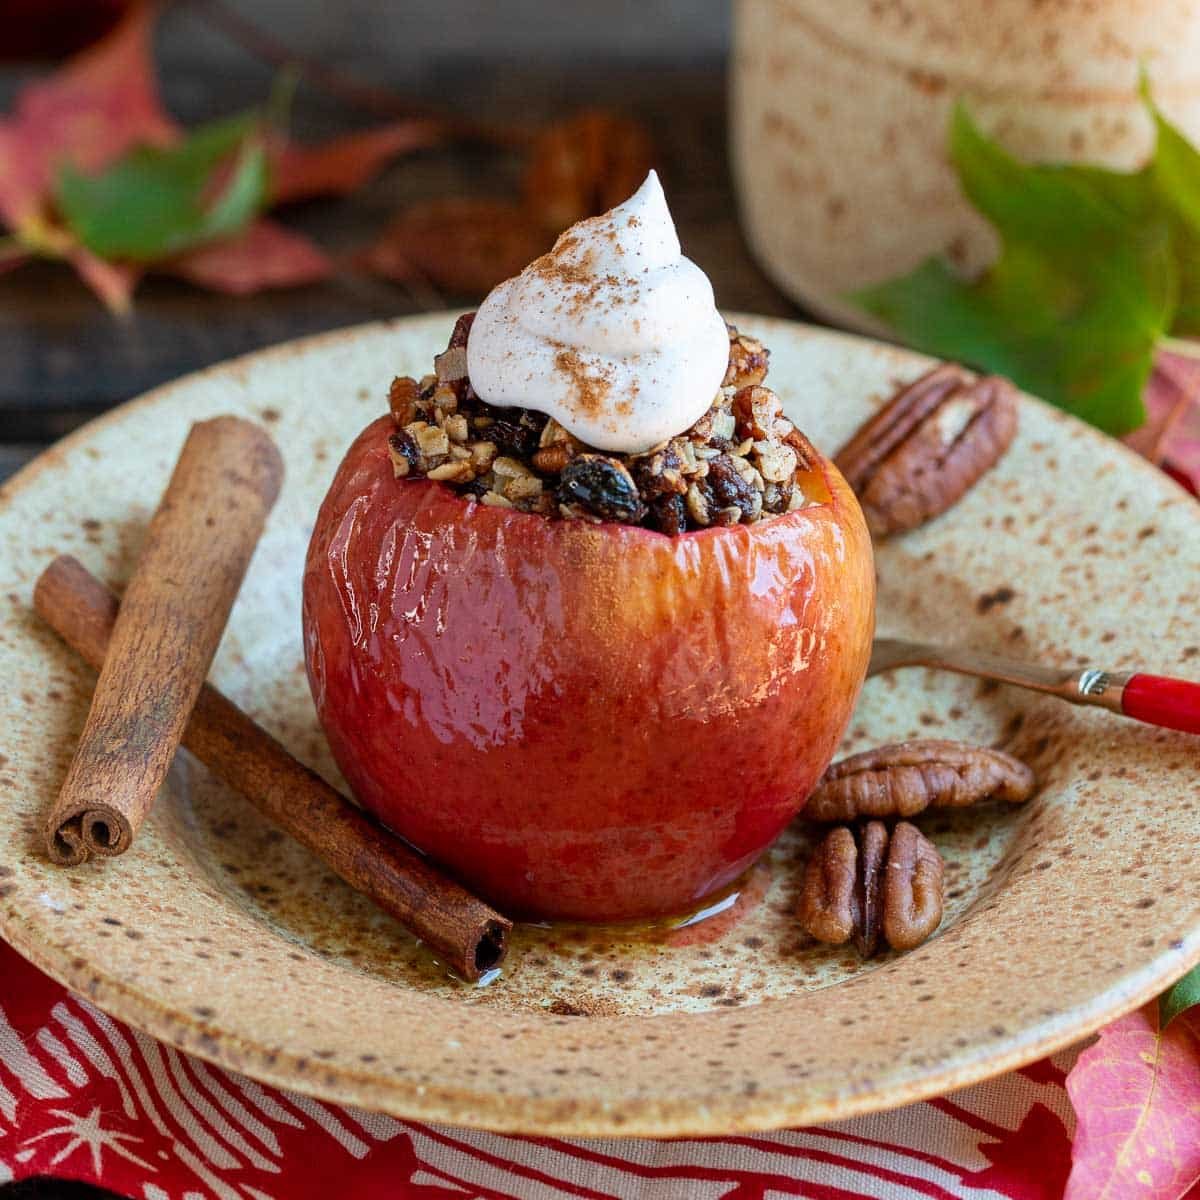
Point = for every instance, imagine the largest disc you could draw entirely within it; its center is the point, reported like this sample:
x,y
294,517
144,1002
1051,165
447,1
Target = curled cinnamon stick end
x,y
463,932
197,549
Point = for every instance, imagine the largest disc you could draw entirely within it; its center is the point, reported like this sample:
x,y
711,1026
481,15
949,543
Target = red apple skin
x,y
586,722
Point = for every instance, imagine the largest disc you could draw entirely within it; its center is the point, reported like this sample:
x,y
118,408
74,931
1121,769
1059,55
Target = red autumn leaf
x,y
1136,1094
1189,484
341,166
112,282
465,246
265,255
11,256
1171,434
101,104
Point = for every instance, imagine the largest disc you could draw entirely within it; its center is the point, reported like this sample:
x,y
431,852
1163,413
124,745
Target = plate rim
x,y
446,1104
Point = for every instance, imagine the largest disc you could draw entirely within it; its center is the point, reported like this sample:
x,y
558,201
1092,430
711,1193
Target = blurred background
x,y
393,158
65,357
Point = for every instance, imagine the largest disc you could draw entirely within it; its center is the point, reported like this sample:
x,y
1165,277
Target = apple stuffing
x,y
736,463
740,462
586,616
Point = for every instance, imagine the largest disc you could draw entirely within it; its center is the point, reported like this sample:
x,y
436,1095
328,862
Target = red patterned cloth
x,y
85,1097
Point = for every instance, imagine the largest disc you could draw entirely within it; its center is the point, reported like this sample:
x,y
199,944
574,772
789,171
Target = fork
x,y
1153,699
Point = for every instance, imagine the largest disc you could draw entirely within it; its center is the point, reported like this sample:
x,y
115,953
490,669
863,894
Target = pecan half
x,y
829,904
928,446
585,165
873,865
866,884
806,453
747,360
905,778
462,244
402,399
912,888
756,410
550,460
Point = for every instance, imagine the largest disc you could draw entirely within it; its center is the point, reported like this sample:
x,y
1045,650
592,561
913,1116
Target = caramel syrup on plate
x,y
717,915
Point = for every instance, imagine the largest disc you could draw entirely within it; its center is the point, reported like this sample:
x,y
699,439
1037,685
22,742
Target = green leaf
x,y
1073,308
1175,174
1184,995
154,203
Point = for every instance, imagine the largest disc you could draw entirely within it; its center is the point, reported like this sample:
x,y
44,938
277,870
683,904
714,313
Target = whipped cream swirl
x,y
613,333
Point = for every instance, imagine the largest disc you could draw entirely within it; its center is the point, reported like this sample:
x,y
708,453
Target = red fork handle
x,y
1158,700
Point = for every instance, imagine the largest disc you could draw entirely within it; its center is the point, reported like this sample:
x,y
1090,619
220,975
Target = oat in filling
x,y
741,462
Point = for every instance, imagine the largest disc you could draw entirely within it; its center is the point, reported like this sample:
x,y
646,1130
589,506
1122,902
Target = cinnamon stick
x,y
462,931
196,552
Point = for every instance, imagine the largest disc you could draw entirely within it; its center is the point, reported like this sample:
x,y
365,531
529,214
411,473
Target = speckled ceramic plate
x,y
219,935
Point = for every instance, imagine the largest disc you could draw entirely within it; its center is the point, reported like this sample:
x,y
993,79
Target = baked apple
x,y
593,680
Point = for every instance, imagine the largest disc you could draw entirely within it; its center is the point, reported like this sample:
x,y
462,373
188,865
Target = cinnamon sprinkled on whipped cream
x,y
613,332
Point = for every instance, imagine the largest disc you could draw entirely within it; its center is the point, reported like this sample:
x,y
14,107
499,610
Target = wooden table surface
x,y
66,359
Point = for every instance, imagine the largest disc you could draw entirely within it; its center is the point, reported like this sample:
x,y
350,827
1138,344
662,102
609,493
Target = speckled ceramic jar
x,y
840,112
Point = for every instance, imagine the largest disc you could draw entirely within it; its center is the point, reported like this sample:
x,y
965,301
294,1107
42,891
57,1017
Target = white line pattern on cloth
x,y
81,1090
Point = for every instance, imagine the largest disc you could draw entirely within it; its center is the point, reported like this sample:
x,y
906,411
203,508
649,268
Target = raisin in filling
x,y
736,465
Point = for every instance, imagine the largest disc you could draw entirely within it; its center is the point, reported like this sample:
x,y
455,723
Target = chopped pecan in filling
x,y
736,465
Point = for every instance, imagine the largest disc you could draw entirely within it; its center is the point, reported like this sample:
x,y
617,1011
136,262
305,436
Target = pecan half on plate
x,y
927,446
585,165
865,883
905,778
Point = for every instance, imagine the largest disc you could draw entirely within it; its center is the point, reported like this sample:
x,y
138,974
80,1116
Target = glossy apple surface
x,y
595,722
